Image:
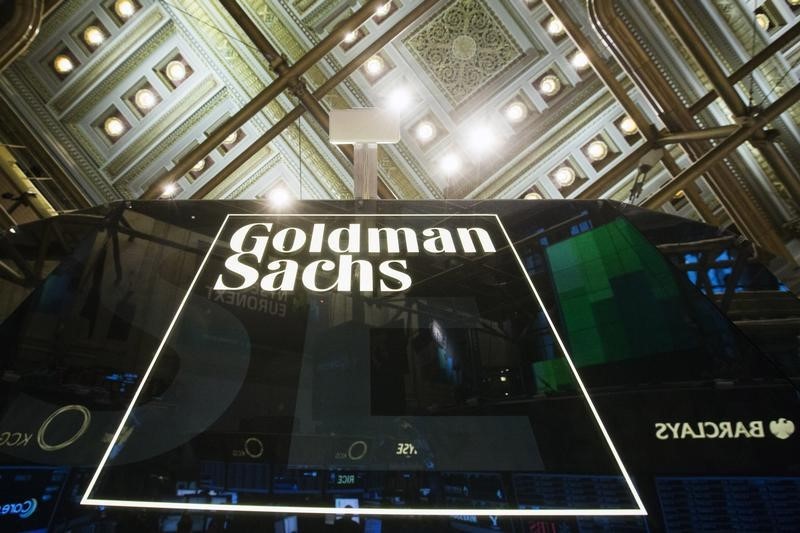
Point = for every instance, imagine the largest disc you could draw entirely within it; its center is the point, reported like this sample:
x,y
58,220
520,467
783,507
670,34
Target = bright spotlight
x,y
516,111
399,99
383,10
279,197
450,163
425,131
564,176
169,190
374,65
579,60
481,139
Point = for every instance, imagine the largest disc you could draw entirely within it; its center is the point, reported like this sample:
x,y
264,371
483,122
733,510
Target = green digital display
x,y
618,298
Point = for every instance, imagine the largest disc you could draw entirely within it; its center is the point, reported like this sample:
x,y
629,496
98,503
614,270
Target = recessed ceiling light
x,y
533,196
145,99
763,21
554,27
794,2
579,60
63,64
628,126
549,85
350,37
94,36
199,166
564,176
383,10
516,111
176,71
450,163
169,189
374,65
114,126
124,8
597,150
230,139
425,131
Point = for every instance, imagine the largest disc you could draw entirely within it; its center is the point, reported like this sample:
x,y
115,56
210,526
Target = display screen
x,y
362,344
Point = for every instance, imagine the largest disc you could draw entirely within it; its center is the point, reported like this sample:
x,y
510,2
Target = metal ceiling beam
x,y
753,63
600,66
337,78
263,98
724,148
279,66
603,71
694,44
749,211
696,135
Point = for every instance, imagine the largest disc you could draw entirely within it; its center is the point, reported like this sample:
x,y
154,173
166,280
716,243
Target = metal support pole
x,y
696,135
263,98
365,171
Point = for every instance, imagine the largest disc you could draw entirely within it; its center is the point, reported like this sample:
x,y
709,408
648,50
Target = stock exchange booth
x,y
537,366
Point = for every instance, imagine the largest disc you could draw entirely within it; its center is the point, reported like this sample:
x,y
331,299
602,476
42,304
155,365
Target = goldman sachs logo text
x,y
340,259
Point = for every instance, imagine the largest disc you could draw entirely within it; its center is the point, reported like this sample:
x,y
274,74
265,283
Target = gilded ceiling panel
x,y
463,48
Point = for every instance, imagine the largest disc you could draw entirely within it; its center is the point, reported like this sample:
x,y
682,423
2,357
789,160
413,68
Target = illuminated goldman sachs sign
x,y
456,276
334,252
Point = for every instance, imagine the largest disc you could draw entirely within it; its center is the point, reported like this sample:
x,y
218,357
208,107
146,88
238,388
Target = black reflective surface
x,y
451,393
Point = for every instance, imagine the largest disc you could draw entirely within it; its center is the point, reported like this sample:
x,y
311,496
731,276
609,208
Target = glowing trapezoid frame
x,y
637,511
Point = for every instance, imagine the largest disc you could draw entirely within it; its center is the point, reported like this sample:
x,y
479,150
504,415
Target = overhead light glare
x,y
350,37
425,131
279,197
63,64
124,8
175,71
450,163
374,65
597,150
114,126
628,126
199,166
481,139
94,36
550,85
555,27
399,99
564,176
145,99
580,60
169,190
383,10
516,111
533,196
763,21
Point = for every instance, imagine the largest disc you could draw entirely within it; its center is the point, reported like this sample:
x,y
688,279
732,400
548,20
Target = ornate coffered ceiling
x,y
458,70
